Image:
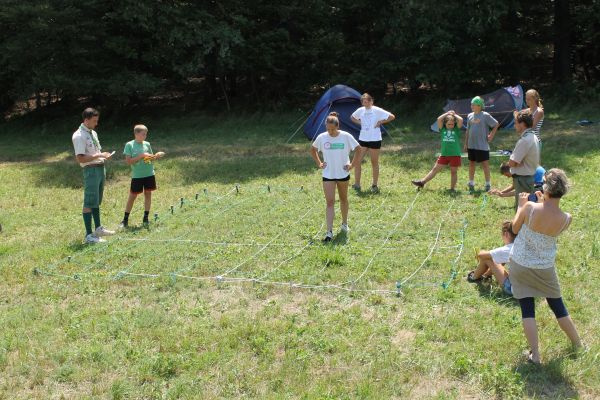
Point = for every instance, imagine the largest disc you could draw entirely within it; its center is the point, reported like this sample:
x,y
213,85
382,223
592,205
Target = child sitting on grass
x,y
492,262
449,124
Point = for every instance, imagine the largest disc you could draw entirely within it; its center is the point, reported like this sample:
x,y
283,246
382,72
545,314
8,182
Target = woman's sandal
x,y
471,279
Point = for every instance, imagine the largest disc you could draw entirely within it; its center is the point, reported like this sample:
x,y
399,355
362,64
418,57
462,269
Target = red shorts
x,y
454,161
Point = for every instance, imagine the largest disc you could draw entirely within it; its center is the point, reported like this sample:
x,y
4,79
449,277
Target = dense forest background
x,y
256,52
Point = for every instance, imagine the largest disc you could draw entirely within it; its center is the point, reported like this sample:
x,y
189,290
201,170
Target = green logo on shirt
x,y
337,146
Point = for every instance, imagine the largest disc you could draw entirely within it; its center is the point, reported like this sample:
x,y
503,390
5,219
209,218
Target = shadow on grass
x,y
490,290
547,381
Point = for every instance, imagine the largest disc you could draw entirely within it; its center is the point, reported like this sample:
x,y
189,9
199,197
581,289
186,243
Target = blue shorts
x,y
507,287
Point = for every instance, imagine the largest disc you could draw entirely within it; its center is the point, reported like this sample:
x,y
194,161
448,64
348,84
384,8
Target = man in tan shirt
x,y
525,158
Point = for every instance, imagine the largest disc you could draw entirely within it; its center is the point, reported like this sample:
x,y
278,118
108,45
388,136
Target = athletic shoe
x,y
93,239
102,231
488,187
123,225
418,184
374,189
328,237
344,228
471,188
356,187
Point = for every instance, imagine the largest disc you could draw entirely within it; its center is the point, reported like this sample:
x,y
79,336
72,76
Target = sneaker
x,y
356,187
471,188
123,225
145,223
328,237
344,228
418,184
102,231
488,187
471,278
93,239
374,189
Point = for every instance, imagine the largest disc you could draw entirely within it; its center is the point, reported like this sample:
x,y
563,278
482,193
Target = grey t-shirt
x,y
479,126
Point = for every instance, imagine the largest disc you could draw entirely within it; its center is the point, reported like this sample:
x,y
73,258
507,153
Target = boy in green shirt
x,y
138,154
449,124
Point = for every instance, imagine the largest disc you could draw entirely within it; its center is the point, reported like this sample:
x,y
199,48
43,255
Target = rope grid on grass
x,y
348,286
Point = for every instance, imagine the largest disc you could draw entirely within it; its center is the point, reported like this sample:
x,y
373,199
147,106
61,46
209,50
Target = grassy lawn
x,y
146,316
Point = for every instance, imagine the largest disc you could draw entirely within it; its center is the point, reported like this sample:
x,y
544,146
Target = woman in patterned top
x,y
532,258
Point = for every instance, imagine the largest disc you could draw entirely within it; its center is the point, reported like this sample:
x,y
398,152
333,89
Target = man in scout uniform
x,y
91,158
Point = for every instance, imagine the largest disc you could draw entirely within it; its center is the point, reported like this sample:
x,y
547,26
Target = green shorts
x,y
93,184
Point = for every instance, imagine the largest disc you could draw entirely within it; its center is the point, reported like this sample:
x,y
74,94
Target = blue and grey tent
x,y
340,98
500,104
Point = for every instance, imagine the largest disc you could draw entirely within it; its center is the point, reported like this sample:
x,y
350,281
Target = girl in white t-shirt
x,y
335,145
370,118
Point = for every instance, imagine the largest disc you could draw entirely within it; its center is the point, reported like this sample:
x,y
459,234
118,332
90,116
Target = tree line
x,y
128,51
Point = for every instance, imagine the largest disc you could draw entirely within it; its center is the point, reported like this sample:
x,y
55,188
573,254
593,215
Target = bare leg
x,y
434,171
530,330
471,170
357,170
130,200
481,269
342,188
147,200
329,190
374,153
486,170
453,177
499,272
568,327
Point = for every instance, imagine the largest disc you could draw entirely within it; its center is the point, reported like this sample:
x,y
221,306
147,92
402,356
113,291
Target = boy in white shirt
x,y
492,262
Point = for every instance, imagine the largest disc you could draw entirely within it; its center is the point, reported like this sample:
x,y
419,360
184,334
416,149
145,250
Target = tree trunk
x,y
562,45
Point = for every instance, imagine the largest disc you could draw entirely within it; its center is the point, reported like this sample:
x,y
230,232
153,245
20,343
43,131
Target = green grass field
x,y
145,316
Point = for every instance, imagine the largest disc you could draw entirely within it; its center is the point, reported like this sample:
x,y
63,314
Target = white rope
x,y
299,127
396,226
267,244
432,247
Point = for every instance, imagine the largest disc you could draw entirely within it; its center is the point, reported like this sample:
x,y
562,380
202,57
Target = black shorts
x,y
139,185
337,180
478,155
370,145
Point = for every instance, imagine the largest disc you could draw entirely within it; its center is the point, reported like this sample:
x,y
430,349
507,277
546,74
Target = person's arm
x,y
509,191
314,152
356,121
132,160
459,120
484,255
493,132
355,116
538,116
389,118
466,139
440,120
86,158
522,210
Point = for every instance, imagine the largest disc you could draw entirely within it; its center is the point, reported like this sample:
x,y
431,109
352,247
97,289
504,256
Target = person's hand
x,y
494,192
540,196
106,155
160,154
322,165
490,137
451,112
378,124
347,167
523,198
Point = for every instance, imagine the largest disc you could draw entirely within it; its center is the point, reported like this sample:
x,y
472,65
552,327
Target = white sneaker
x,y
102,231
93,239
344,228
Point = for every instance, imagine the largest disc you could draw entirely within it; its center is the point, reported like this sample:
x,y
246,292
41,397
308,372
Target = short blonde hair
x,y
140,128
